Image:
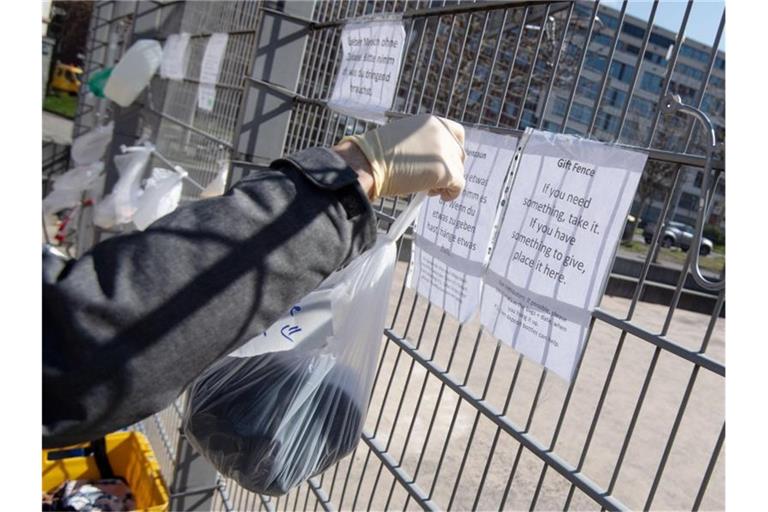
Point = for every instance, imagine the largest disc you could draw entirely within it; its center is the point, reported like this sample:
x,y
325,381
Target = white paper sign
x,y
451,241
367,78
209,71
206,96
566,211
175,56
308,320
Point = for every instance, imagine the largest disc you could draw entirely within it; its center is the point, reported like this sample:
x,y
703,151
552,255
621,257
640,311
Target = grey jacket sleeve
x,y
132,322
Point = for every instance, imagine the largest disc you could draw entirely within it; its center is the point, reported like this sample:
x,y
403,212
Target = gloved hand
x,y
414,154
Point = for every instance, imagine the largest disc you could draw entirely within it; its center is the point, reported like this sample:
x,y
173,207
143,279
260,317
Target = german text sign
x,y
367,78
210,69
451,241
566,210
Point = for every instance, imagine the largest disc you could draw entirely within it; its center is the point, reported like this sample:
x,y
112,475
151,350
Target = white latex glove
x,y
415,154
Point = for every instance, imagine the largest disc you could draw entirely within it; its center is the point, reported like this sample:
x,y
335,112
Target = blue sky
x,y
702,24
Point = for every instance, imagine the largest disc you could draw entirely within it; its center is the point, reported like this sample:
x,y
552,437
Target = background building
x,y
616,103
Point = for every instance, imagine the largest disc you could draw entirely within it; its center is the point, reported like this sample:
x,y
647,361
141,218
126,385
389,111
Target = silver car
x,y
677,234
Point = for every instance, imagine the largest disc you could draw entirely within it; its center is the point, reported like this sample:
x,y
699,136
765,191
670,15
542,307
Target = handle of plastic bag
x,y
406,218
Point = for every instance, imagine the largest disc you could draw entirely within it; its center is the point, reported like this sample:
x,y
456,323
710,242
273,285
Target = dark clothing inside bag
x,y
274,420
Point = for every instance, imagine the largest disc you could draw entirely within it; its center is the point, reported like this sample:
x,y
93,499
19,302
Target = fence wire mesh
x,y
457,420
205,147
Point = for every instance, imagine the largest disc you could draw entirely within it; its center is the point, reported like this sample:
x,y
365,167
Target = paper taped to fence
x,y
451,240
175,55
566,210
370,65
210,69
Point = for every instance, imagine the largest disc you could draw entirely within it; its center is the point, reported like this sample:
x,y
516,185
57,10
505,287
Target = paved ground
x,y
687,461
57,128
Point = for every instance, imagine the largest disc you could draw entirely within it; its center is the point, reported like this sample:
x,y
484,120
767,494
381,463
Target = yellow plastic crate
x,y
130,456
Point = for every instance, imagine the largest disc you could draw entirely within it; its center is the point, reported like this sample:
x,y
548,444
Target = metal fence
x,y
457,420
55,161
201,141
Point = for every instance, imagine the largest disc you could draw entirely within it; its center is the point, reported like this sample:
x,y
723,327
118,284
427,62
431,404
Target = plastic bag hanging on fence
x,y
90,147
273,420
70,186
160,197
62,199
217,186
119,206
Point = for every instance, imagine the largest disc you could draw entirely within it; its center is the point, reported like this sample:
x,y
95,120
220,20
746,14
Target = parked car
x,y
66,78
677,234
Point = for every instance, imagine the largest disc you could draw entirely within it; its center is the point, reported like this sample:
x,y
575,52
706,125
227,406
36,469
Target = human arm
x,y
132,322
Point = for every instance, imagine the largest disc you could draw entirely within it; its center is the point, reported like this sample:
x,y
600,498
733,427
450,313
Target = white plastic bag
x,y
89,148
134,71
272,420
216,187
68,188
160,197
79,178
119,206
104,212
61,199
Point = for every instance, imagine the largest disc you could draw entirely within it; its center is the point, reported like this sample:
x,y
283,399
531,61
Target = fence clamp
x,y
671,105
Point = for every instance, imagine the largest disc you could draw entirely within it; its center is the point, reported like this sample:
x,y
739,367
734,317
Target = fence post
x,y
193,480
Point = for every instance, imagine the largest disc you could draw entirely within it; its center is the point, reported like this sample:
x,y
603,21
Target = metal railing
x,y
457,420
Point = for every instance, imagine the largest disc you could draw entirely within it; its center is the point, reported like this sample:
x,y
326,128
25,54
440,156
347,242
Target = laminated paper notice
x,y
174,60
209,71
367,79
567,208
451,241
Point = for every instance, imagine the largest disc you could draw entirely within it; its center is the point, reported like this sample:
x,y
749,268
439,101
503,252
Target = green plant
x,y
62,104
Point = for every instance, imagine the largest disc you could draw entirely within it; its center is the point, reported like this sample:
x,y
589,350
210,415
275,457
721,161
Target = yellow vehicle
x,y
66,78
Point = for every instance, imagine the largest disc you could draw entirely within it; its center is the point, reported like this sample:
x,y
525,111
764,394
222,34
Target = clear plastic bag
x,y
217,186
68,188
61,199
90,147
119,206
79,178
272,420
160,197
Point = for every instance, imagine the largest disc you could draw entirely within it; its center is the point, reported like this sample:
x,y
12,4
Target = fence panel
x,y
460,421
